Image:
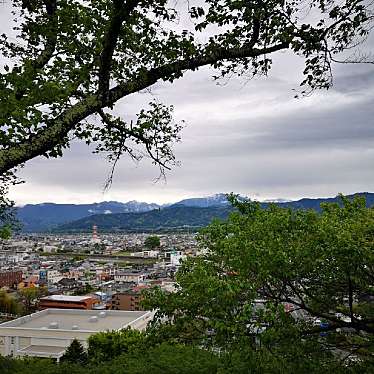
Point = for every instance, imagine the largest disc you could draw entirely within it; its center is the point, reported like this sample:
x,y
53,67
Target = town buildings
x,y
60,271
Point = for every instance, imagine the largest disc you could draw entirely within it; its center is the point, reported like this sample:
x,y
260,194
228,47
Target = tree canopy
x,y
8,218
167,358
297,282
152,242
75,353
71,61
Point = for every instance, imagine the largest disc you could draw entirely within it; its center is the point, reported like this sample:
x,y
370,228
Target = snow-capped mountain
x,y
204,202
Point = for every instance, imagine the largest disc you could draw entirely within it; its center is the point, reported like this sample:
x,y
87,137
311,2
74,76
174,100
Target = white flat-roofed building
x,y
49,332
130,276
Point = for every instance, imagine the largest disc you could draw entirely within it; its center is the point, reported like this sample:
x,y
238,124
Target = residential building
x,y
67,302
10,278
129,276
128,300
53,276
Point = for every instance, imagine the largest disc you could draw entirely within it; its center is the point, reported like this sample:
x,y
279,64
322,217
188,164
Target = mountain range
x,y
139,216
45,216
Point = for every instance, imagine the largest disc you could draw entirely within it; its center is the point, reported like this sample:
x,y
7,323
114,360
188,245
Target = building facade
x,y
128,300
10,278
67,302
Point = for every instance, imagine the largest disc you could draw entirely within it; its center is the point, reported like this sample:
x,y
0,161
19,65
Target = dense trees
x,y
104,347
166,358
152,242
72,61
301,282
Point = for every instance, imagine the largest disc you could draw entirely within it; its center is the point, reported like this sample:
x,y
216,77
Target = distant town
x,y
97,272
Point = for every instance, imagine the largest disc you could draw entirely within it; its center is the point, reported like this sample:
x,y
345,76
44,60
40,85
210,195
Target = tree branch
x,y
50,45
56,131
121,12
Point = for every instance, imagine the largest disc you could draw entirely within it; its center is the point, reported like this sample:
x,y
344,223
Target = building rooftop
x,y
31,350
77,320
66,298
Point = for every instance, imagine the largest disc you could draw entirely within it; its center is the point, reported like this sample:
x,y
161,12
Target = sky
x,y
249,137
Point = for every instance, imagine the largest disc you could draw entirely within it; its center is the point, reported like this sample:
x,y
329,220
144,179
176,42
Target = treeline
x,y
130,352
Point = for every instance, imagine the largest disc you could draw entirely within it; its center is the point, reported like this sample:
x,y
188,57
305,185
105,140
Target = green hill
x,y
178,217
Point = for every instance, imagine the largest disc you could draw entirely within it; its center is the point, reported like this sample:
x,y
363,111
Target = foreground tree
x,y
298,282
72,61
179,359
75,353
106,346
8,219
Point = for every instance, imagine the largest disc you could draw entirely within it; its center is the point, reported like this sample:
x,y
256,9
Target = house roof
x,y
66,298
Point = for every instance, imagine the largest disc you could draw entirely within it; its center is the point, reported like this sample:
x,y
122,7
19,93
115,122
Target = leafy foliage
x,y
179,359
106,346
30,295
152,242
9,304
73,60
75,353
281,276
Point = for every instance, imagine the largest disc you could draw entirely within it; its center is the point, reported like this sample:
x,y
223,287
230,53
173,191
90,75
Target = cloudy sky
x,y
249,137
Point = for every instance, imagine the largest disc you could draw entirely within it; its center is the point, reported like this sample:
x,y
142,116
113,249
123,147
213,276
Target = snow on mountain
x,y
204,202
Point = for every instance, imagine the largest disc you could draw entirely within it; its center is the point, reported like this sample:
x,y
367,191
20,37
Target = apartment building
x,y
128,300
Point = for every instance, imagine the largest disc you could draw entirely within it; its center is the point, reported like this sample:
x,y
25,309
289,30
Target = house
x,y
67,284
129,276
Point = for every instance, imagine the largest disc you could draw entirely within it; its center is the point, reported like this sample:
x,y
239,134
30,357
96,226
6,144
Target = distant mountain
x,y
112,215
46,216
204,202
180,216
172,218
315,203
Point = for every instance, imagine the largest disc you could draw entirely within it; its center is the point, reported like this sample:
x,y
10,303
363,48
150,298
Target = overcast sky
x,y
249,137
